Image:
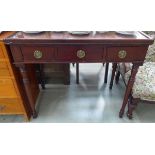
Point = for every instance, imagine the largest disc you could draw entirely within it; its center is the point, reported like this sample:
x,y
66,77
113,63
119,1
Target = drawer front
x,y
7,88
1,53
80,53
3,65
37,53
10,106
4,73
127,54
4,70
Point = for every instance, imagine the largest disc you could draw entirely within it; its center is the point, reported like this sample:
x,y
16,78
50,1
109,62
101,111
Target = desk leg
x,y
27,87
114,67
41,76
106,72
77,73
66,69
129,88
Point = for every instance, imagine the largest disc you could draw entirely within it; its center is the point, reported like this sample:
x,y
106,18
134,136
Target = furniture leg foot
x,y
43,86
121,114
129,115
35,114
111,85
132,104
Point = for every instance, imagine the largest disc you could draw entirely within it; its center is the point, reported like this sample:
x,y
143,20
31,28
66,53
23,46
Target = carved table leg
x,y
114,67
106,73
27,87
128,88
77,73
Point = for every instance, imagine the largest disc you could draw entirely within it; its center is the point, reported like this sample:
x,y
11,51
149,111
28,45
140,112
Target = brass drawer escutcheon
x,y
122,54
38,54
2,107
81,54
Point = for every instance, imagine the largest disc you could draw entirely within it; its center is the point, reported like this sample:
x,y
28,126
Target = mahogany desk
x,y
52,47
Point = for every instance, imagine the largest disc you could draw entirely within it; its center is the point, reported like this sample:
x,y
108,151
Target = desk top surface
x,y
66,37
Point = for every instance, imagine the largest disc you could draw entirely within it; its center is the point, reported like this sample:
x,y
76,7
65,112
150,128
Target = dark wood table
x,y
52,47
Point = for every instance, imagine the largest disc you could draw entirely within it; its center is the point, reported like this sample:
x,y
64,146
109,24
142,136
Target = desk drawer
x,y
37,53
1,53
10,106
4,73
4,70
80,53
121,54
3,65
7,88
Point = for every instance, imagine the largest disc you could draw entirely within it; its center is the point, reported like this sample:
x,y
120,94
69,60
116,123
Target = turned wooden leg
x,y
40,73
66,70
132,104
114,67
117,77
77,73
128,88
106,73
42,77
26,82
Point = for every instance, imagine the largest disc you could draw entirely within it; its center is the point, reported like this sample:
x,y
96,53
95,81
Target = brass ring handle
x,y
122,54
38,54
81,54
